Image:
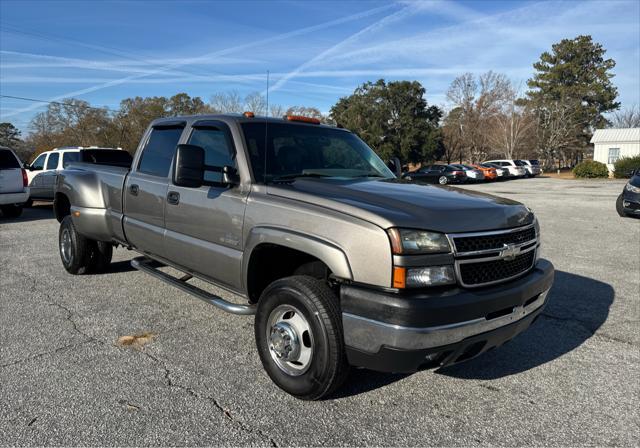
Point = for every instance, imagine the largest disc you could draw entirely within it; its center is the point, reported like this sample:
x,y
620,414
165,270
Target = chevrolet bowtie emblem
x,y
509,251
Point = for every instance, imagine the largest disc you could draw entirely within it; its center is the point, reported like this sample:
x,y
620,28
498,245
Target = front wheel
x,y
442,180
620,207
298,330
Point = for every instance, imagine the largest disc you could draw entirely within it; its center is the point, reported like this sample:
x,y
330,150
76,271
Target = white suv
x,y
42,172
514,166
14,191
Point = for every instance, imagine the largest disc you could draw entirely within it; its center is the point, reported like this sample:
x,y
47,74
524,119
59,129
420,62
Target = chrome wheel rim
x,y
65,246
442,180
290,340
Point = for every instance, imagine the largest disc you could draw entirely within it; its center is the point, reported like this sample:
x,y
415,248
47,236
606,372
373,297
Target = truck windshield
x,y
294,151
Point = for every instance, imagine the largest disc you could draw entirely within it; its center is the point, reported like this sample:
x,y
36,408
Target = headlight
x,y
408,241
430,276
631,188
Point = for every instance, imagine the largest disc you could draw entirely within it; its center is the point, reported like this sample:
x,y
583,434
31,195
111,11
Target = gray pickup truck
x,y
341,262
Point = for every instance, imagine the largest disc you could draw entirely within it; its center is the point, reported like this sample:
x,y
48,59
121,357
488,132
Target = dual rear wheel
x,y
81,255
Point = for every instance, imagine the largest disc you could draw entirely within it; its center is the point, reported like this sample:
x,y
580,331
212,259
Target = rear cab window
x,y
158,152
7,160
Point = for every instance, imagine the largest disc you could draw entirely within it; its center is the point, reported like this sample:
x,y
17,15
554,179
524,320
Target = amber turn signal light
x,y
399,277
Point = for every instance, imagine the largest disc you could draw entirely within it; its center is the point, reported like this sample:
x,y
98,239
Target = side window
x,y
218,151
38,164
158,152
614,155
52,161
69,157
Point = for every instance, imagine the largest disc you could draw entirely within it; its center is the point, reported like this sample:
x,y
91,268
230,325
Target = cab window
x,y
38,164
52,161
158,152
218,151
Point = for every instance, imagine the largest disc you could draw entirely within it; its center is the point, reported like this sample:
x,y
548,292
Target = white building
x,y
613,144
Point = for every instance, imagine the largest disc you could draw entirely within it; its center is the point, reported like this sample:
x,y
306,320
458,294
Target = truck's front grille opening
x,y
499,313
484,272
493,241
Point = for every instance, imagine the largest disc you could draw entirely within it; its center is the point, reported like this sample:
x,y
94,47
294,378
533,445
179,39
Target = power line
x,y
34,100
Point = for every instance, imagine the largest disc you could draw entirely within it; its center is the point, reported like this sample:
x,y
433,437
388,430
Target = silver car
x,y
473,174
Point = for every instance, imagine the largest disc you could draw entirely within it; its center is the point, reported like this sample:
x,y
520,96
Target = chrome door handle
x,y
173,197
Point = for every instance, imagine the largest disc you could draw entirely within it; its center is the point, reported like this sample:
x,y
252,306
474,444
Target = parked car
x,y
489,172
502,173
441,174
628,203
340,261
473,174
14,191
515,169
44,169
532,167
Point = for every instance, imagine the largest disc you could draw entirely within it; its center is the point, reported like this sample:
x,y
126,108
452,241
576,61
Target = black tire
x,y
328,367
100,256
29,203
11,211
620,207
443,180
76,261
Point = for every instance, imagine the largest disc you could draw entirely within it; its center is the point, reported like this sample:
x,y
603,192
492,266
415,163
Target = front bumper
x,y
631,202
14,198
403,332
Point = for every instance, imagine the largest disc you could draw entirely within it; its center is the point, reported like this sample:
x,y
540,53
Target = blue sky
x,y
316,51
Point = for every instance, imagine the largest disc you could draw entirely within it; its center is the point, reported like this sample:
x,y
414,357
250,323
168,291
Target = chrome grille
x,y
486,258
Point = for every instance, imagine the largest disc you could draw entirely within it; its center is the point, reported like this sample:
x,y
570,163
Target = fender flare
x,y
325,251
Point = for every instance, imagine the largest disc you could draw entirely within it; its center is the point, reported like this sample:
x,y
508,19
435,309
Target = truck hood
x,y
398,203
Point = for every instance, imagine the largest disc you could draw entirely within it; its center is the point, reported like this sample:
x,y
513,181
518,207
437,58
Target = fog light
x,y
626,203
430,276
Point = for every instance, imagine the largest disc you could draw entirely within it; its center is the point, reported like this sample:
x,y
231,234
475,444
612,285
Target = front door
x,y
146,190
204,225
34,174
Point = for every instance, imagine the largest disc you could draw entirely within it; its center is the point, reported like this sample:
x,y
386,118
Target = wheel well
x,y
270,262
61,206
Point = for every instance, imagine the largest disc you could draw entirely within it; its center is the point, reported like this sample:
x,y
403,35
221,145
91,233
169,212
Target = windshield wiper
x,y
368,175
291,177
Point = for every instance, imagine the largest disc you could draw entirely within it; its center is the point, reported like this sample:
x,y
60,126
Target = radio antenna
x,y
266,125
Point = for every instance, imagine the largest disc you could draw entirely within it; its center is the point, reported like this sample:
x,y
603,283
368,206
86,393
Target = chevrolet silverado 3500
x,y
341,262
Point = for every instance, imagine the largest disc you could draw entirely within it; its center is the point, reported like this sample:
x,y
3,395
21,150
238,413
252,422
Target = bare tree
x,y
452,139
478,101
255,103
276,110
227,102
627,118
510,124
556,130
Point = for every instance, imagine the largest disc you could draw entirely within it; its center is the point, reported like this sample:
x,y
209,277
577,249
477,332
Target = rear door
x,y
48,177
10,172
146,189
204,225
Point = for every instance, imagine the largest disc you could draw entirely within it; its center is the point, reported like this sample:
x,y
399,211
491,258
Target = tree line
x,y
565,100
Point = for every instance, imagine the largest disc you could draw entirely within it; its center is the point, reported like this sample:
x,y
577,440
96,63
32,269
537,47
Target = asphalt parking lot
x,y
571,379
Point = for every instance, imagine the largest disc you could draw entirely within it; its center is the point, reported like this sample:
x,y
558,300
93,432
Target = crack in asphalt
x,y
225,412
40,355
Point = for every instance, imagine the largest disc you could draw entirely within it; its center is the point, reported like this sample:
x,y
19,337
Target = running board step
x,y
151,267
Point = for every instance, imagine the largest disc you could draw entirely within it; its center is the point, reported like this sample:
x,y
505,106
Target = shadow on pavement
x,y
118,267
34,213
577,307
